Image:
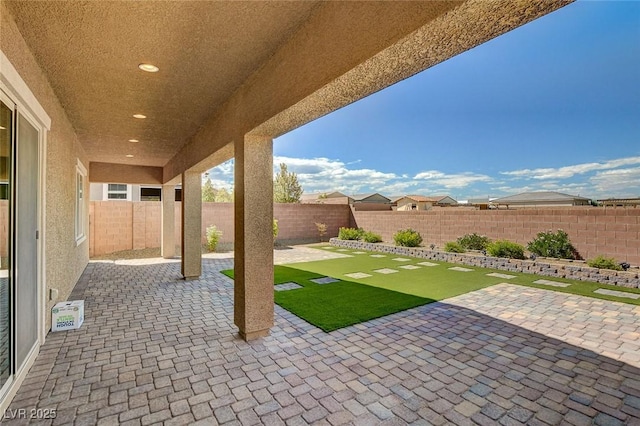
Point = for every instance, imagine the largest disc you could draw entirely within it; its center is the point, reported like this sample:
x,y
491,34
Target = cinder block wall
x,y
593,231
110,226
122,225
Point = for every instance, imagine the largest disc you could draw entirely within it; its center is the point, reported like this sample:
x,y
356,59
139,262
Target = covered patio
x,y
142,92
157,350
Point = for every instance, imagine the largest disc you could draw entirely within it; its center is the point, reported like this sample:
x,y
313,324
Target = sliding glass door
x,y
19,194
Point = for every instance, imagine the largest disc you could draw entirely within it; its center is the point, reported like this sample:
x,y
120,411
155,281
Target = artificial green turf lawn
x,y
438,282
336,305
352,301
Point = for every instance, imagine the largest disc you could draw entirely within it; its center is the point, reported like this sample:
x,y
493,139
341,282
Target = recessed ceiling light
x,y
129,155
139,116
134,140
148,68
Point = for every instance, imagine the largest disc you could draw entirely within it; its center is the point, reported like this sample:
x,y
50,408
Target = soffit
x,y
91,50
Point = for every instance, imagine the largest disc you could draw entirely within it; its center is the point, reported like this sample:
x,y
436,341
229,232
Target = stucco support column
x,y
191,225
253,264
168,243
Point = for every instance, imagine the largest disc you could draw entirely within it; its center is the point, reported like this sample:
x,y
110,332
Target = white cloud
x,y
570,171
317,175
617,183
323,175
455,180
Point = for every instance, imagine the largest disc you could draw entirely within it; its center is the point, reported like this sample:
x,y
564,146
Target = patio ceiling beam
x,y
124,173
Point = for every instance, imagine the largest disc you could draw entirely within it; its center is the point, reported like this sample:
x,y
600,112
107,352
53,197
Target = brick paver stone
x,y
155,349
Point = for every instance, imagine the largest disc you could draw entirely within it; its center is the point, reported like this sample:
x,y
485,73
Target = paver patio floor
x,y
155,349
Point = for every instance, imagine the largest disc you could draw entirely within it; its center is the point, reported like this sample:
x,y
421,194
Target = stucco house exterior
x,y
156,93
128,192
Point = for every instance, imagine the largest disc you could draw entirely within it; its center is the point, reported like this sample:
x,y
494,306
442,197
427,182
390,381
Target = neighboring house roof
x,y
538,197
478,200
367,197
436,199
322,195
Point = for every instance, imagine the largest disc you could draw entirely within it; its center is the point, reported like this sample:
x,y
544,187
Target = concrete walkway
x,y
157,350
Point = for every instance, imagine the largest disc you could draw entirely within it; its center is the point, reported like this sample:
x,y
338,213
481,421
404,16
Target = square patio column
x,y
253,264
168,243
191,225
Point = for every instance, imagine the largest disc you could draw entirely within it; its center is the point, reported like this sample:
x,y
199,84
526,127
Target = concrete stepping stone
x,y
287,286
428,264
324,280
357,275
498,275
378,255
328,248
402,259
409,267
343,250
552,283
359,252
617,293
459,269
385,271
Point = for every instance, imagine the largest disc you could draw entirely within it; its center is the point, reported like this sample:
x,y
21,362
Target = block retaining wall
x,y
558,269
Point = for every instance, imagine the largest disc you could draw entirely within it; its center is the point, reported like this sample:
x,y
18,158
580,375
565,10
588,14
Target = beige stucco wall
x,y
65,260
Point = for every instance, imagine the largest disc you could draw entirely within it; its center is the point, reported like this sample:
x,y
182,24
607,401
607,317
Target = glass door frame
x,y
4,389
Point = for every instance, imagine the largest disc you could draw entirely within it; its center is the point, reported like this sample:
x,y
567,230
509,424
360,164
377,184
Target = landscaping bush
x,y
504,248
407,238
370,237
473,242
350,233
276,229
454,247
553,244
602,262
213,236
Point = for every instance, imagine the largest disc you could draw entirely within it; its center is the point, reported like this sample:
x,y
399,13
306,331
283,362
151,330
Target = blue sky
x,y
553,105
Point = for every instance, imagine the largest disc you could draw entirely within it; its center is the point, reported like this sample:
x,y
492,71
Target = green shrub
x,y
553,244
454,247
473,241
276,229
407,238
602,262
504,248
350,233
370,237
213,236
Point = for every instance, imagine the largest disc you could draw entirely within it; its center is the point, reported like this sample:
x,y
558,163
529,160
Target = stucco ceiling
x,y
205,49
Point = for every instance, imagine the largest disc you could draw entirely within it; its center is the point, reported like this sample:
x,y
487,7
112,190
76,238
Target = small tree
x,y
208,191
286,188
322,229
223,195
